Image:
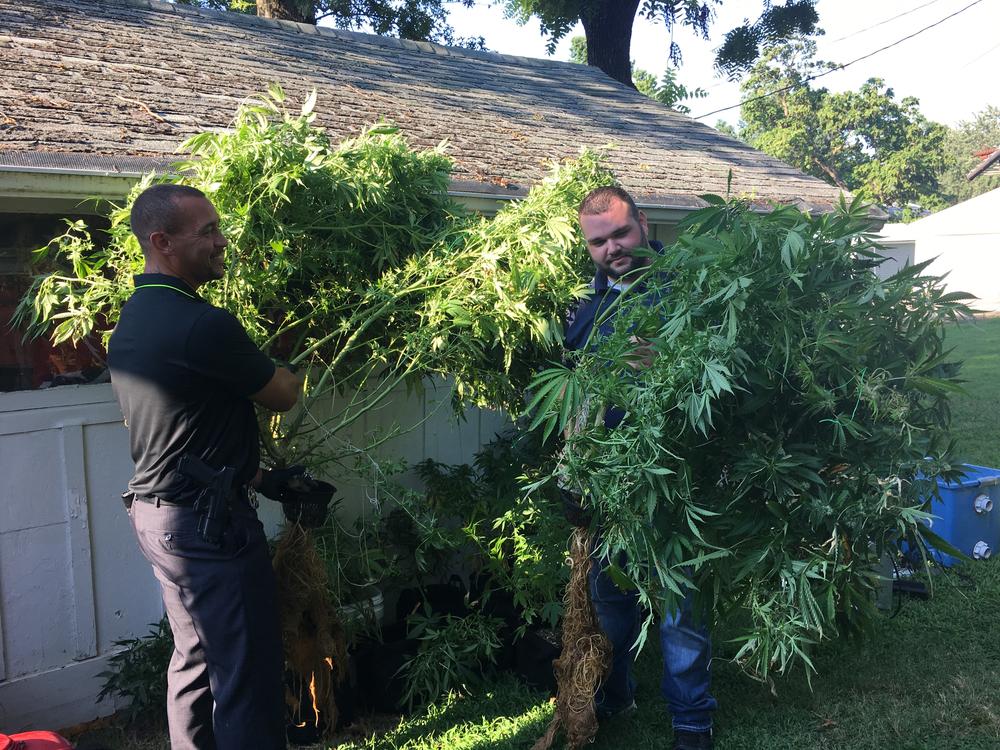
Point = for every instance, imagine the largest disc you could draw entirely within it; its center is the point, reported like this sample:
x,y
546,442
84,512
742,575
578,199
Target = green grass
x,y
926,679
976,414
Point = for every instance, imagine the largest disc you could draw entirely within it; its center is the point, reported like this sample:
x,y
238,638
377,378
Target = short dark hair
x,y
155,210
600,199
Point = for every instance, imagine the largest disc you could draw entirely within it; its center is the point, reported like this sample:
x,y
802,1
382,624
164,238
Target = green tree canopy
x,y
864,141
961,144
608,26
406,19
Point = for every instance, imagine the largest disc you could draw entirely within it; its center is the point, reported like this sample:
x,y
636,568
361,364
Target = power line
x,y
838,67
852,34
980,57
883,22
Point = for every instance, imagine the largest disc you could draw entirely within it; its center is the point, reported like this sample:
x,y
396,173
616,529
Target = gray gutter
x,y
64,181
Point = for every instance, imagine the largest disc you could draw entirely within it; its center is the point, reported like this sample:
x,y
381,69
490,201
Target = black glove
x,y
288,366
281,484
573,509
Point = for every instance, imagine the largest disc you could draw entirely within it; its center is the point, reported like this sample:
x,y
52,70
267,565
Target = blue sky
x,y
951,68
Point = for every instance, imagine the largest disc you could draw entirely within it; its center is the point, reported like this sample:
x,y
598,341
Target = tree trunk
x,y
608,26
831,173
302,11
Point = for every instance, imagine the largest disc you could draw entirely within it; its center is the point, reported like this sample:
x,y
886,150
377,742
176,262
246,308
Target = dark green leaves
x,y
770,449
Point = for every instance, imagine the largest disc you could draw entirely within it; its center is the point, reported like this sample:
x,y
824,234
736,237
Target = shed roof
x,y
115,86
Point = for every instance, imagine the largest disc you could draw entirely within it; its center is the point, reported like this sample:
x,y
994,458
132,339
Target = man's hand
x,y
282,484
642,356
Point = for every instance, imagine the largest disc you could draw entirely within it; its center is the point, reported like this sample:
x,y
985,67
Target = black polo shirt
x,y
182,370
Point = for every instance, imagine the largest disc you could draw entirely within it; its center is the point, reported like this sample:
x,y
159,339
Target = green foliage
x,y
519,540
76,285
358,559
453,655
864,141
605,18
138,673
961,144
778,443
666,91
351,260
671,92
406,19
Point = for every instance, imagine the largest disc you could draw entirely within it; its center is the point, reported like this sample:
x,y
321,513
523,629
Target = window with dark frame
x,y
36,363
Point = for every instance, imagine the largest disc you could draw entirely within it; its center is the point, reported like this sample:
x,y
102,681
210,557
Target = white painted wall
x,y
964,243
72,580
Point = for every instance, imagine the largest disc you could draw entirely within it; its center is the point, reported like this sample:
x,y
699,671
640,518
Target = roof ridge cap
x,y
164,6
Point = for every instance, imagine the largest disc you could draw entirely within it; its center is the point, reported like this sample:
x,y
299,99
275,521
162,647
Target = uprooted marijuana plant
x,y
777,444
351,260
781,438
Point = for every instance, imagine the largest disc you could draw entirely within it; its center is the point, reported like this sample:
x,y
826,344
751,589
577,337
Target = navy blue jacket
x,y
580,321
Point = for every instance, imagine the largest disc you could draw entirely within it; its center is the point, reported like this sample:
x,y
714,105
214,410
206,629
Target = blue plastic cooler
x,y
967,516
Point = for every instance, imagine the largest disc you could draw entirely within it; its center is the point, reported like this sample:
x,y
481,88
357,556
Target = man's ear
x,y
643,223
160,242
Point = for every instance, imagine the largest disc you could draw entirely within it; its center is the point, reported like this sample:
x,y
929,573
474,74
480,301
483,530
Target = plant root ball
x,y
311,632
585,658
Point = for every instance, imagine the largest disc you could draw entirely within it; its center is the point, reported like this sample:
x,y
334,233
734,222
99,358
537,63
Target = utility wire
x,y
882,23
852,34
980,57
834,69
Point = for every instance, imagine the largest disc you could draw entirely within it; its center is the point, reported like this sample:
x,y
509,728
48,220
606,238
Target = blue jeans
x,y
687,655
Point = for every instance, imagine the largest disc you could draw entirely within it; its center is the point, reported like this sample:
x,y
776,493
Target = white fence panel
x,y
72,579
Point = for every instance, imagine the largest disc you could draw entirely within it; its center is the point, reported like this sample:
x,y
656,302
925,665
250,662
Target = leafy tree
x,y
864,141
724,127
406,19
961,144
666,91
608,26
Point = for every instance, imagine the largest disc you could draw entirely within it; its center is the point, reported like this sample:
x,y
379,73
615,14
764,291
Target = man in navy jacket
x,y
614,229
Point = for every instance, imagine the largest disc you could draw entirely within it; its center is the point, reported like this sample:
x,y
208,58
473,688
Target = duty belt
x,y
243,494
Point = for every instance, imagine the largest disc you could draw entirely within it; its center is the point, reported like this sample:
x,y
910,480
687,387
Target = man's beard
x,y
636,263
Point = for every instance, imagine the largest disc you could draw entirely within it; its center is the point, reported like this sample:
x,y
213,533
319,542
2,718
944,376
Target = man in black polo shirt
x,y
187,376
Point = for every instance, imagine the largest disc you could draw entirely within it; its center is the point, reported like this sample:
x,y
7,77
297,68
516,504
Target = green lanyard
x,y
167,286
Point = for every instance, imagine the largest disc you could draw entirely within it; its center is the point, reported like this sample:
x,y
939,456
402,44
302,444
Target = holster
x,y
212,505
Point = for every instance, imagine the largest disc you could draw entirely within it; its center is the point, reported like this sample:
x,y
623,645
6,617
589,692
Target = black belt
x,y
242,494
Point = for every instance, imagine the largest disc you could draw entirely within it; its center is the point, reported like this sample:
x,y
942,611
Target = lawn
x,y
976,414
925,678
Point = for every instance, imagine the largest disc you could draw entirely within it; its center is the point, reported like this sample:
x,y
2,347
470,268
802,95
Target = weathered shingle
x,y
127,80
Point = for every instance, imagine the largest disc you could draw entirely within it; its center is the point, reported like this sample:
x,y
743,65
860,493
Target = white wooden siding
x,y
72,580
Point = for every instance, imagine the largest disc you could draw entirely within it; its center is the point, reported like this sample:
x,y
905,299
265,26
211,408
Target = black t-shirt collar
x,y
160,280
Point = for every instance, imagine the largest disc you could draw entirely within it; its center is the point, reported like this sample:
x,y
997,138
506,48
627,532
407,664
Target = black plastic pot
x,y
440,598
309,506
533,657
496,601
379,684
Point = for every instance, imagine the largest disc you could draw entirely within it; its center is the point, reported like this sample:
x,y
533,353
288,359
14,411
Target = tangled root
x,y
585,657
311,632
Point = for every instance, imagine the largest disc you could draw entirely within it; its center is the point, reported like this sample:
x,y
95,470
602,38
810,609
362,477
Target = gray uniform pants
x,y
224,684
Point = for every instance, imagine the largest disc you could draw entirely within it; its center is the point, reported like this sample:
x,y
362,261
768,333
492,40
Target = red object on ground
x,y
34,741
